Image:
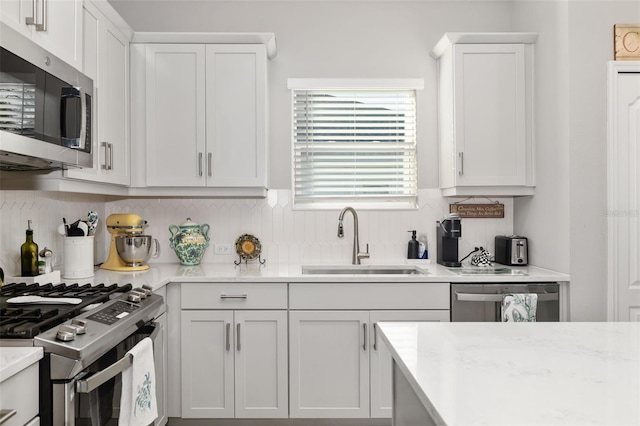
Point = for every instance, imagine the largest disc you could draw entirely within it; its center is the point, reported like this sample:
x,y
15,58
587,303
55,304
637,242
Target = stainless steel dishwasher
x,y
481,302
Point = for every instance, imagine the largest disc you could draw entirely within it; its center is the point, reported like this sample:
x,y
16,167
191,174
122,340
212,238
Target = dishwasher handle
x,y
479,297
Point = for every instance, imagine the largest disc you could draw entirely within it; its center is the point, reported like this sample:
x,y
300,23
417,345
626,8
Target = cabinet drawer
x,y
234,296
20,393
369,296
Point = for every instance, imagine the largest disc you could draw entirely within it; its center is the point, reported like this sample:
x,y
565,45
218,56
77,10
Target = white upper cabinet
x,y
199,111
485,97
56,25
106,61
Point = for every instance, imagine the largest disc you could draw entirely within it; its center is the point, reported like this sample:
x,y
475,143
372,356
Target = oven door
x,y
478,302
92,398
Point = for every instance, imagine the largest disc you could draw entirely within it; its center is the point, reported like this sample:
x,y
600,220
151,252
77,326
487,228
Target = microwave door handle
x,y
71,93
478,297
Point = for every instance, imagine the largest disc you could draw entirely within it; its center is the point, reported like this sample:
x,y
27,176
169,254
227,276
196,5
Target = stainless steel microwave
x,y
45,108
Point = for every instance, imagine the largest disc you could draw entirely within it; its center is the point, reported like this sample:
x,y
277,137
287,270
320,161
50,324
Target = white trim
x,y
449,39
355,83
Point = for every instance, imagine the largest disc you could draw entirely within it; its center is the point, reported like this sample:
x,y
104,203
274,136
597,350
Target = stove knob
x,y
79,325
147,290
140,292
66,333
134,297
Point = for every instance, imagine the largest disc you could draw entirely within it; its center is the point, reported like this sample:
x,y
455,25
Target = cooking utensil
x,y
92,221
47,300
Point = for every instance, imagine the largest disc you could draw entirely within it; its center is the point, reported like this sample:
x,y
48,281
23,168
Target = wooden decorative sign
x,y
482,211
626,42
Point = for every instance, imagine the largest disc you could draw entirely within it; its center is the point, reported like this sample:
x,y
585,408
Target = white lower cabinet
x,y
233,362
338,366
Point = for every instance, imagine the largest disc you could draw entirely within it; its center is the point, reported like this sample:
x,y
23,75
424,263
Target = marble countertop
x,y
15,359
521,373
160,274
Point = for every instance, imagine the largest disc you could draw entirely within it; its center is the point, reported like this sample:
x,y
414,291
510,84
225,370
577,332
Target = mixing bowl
x,y
135,250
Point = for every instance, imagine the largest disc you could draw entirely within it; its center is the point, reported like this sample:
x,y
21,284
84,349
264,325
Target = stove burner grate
x,y
27,321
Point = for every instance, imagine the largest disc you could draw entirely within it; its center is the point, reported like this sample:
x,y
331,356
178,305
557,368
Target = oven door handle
x,y
95,380
478,297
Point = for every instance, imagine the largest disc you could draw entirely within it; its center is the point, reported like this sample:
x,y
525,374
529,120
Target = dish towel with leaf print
x,y
138,400
519,307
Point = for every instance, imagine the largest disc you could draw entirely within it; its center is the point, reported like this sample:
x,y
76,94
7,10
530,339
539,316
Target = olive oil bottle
x,y
29,255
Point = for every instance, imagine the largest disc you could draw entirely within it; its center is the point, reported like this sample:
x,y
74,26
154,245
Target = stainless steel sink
x,y
487,271
361,270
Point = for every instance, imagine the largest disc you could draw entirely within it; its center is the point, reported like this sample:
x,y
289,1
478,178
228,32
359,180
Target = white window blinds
x,y
354,144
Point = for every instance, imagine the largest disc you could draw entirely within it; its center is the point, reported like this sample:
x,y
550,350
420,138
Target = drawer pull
x,y
233,296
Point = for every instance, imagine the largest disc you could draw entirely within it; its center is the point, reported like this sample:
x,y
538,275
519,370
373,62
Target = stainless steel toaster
x,y
511,250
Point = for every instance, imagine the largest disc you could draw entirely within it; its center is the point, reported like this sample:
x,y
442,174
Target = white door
x,y
489,103
329,364
261,365
381,361
236,115
207,364
624,192
175,121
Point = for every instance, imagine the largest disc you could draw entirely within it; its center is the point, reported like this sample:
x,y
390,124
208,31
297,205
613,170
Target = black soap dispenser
x,y
413,248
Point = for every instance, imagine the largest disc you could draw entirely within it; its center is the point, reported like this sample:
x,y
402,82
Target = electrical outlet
x,y
222,248
479,244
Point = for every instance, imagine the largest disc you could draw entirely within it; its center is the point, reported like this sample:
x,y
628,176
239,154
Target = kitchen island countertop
x,y
520,373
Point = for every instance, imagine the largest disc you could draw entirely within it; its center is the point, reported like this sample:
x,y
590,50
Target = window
x,y
354,142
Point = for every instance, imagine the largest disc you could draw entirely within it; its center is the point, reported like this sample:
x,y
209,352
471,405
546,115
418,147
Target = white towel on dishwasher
x,y
519,307
138,400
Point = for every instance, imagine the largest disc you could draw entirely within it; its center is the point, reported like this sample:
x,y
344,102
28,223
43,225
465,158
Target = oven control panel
x,y
113,312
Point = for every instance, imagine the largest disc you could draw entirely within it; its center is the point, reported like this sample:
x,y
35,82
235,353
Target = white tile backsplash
x,y
287,235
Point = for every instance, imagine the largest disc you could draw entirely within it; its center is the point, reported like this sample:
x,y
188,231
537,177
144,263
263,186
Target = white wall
x,y
568,212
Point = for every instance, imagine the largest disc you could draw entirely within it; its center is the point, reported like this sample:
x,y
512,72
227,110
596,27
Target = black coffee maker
x,y
449,230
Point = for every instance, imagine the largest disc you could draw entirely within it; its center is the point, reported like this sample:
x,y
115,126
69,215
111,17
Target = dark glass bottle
x,y
29,255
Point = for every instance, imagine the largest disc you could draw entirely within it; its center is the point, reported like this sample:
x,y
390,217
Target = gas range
x,y
20,322
85,343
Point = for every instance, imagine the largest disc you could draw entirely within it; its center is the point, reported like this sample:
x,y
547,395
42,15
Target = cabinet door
x,y
207,364
106,60
489,109
236,115
175,115
329,364
381,361
15,12
63,35
261,364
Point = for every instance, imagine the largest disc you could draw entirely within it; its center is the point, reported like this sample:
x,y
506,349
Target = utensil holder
x,y
78,257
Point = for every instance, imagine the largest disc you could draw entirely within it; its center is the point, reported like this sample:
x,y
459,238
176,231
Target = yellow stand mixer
x,y
124,225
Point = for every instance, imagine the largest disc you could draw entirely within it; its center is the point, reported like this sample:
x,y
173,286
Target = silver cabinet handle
x,y
228,337
6,415
31,20
476,297
199,164
238,336
364,343
108,156
209,163
461,171
233,296
375,336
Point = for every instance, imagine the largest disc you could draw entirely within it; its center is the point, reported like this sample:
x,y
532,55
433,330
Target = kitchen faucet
x,y
355,258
